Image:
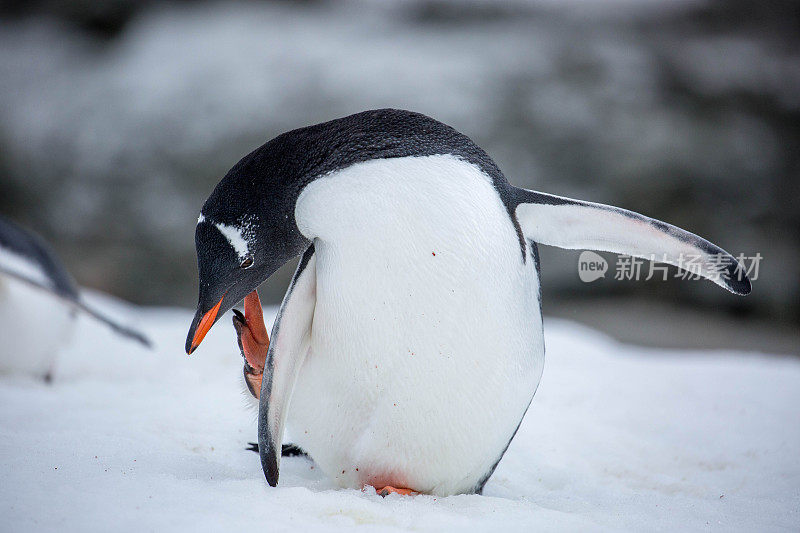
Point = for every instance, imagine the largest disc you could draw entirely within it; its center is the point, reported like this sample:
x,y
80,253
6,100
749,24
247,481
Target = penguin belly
x,y
35,325
426,343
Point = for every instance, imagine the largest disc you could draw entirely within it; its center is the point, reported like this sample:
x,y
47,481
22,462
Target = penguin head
x,y
245,232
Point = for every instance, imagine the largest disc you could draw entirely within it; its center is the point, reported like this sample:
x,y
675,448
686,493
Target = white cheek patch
x,y
240,235
236,238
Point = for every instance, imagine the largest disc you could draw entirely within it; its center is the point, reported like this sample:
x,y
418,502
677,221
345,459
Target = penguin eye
x,y
247,263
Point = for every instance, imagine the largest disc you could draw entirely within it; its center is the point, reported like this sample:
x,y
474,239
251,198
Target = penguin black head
x,y
245,232
247,229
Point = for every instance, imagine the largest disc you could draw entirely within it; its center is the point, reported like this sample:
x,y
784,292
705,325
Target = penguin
x,y
33,281
409,343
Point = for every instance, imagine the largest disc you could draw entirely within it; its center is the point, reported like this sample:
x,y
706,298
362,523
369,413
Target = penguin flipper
x,y
76,302
575,224
115,326
291,339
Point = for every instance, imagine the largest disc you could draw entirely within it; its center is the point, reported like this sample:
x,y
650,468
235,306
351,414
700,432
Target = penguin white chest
x,y
426,343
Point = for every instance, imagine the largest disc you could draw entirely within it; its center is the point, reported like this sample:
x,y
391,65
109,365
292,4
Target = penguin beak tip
x,y
202,328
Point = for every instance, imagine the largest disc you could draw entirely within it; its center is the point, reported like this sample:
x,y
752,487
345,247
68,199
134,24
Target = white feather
x,y
426,344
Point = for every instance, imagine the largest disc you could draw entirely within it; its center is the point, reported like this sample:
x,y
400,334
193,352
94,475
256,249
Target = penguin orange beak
x,y
205,324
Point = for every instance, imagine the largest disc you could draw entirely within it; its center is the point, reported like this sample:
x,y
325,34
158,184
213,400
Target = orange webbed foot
x,y
388,489
251,333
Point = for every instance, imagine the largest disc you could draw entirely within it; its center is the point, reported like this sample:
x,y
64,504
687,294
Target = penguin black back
x,y
291,160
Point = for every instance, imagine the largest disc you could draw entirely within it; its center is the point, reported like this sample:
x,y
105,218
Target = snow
x,y
617,438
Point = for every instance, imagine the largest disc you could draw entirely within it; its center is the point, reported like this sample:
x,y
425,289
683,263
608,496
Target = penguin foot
x,y
388,489
287,450
251,334
253,380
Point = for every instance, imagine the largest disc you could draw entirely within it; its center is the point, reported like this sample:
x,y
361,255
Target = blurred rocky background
x,y
118,117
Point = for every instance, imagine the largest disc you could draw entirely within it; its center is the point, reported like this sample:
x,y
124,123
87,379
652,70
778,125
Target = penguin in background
x,y
409,343
39,302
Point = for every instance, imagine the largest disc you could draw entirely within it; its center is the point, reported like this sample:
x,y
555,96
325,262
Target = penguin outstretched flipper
x,y
575,224
80,305
31,275
115,326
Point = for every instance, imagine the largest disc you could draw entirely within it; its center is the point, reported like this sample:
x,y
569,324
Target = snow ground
x,y
617,438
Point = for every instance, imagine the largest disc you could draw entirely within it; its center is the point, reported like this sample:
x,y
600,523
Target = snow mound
x,y
618,437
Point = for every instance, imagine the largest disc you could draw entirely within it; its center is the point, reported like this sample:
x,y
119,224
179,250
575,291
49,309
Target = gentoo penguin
x,y
409,343
34,282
